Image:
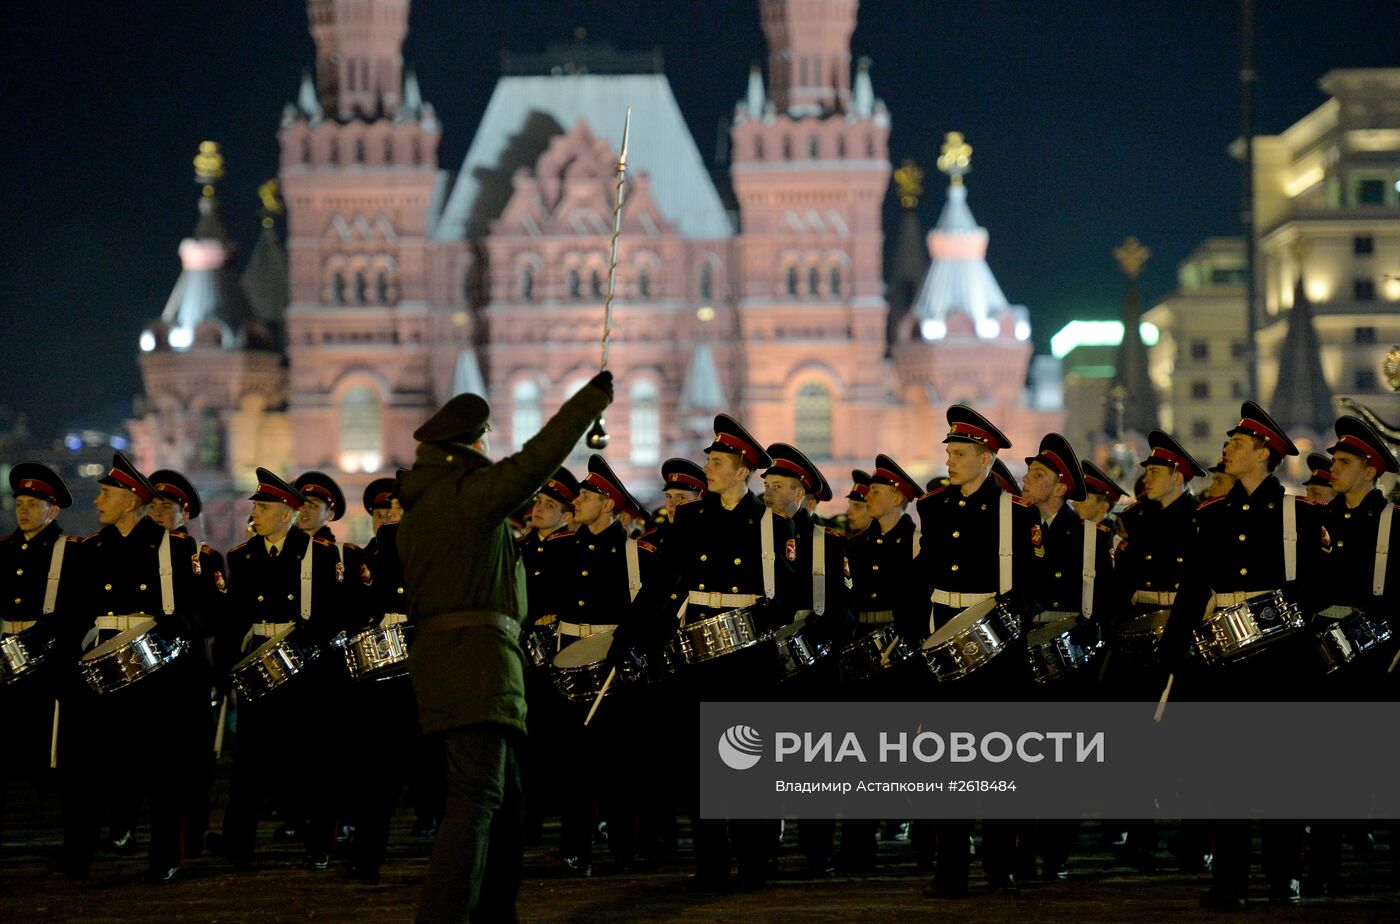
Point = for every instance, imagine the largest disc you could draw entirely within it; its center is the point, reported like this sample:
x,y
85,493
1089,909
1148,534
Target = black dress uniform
x,y
33,597
1241,550
290,740
120,578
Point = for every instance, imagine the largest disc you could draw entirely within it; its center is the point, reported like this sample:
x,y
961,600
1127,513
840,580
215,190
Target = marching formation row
x,y
997,591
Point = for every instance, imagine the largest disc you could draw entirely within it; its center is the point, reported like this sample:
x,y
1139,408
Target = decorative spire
x,y
412,96
956,157
755,98
307,100
909,180
208,166
269,194
863,95
1134,405
1302,401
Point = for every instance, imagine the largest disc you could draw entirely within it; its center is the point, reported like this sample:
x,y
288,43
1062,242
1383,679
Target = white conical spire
x,y
863,95
412,96
466,375
701,391
755,97
307,101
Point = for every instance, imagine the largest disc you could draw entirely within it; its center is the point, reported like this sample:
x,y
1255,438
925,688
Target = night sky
x,y
1089,121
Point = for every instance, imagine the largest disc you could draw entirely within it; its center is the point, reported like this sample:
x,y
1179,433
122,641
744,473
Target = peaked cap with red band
x,y
124,475
790,461
1096,481
379,494
860,485
1057,455
683,474
887,471
562,486
322,487
35,479
1255,421
1164,450
274,490
173,486
1003,476
603,480
1320,467
1357,437
967,426
733,438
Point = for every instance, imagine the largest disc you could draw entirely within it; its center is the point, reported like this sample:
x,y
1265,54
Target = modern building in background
x,y
762,293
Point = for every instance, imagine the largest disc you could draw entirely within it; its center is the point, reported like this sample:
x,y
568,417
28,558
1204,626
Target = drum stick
x,y
885,655
1162,703
1394,661
53,741
219,729
597,700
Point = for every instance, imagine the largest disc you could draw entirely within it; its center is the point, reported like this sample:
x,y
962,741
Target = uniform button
x,y
1147,558
1149,583
106,586
874,594
592,547
1340,543
17,600
143,586
734,590
584,573
1057,574
1242,537
874,567
400,590
962,503
539,548
957,534
290,597
953,567
19,571
260,598
581,603
24,545
1346,516
738,561
537,574
701,587
879,542
704,557
1244,506
1243,572
1179,559
1272,505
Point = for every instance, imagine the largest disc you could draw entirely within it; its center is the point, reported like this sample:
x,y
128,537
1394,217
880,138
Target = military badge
x,y
792,550
1037,540
340,572
194,564
1326,540
365,576
219,581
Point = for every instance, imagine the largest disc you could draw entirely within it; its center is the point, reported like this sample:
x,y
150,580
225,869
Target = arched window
x,y
758,147
527,283
869,146
787,148
835,280
812,147
361,287
211,440
595,283
359,430
575,284
359,150
814,420
334,155
643,283
814,281
388,150
792,281
525,411
417,152
840,145
306,150
706,280
381,287
338,287
645,423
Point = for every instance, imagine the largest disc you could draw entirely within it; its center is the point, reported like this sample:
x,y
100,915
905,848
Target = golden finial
x,y
1131,256
208,166
271,201
956,160
909,180
1392,368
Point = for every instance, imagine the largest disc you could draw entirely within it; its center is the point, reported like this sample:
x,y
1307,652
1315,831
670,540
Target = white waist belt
x,y
1157,597
15,628
961,601
271,629
392,619
121,623
876,617
583,629
719,601
1050,617
1235,598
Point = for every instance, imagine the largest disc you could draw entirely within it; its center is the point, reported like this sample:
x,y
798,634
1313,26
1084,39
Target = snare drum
x,y
1140,639
540,643
1238,631
23,653
969,640
1349,637
580,668
725,633
659,664
866,657
272,664
1063,646
380,653
797,652
134,654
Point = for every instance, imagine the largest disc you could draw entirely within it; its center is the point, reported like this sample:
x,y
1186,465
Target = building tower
x,y
810,167
1130,379
358,169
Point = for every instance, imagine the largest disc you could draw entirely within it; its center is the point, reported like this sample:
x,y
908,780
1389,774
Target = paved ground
x,y
1099,889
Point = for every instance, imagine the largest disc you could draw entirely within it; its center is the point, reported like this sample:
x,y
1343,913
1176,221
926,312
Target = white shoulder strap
x,y
1382,551
634,570
306,561
56,569
1086,601
340,552
167,576
818,569
768,559
1290,538
1004,544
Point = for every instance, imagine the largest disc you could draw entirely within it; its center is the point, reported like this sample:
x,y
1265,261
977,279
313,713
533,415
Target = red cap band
x,y
976,433
905,487
1274,441
791,468
606,487
321,492
142,493
291,500
748,451
1062,467
381,499
1362,448
559,488
42,487
685,482
163,487
1101,487
1176,461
